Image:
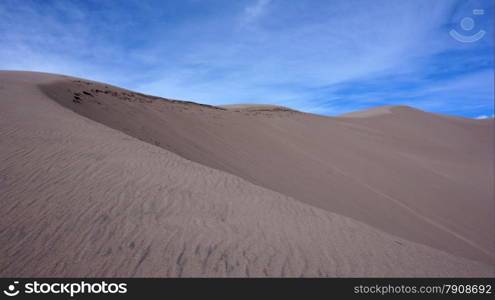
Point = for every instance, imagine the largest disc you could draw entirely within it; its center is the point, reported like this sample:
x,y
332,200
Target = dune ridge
x,y
84,199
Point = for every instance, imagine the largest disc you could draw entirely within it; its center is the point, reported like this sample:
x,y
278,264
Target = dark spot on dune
x,y
103,218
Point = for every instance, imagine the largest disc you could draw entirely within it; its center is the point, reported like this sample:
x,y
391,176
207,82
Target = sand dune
x,y
170,188
255,107
430,176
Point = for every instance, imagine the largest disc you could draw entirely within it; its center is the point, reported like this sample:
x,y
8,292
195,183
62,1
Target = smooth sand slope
x,y
264,192
424,177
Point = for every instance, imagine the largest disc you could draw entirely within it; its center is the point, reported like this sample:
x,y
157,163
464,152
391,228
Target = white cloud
x,y
484,117
344,42
254,11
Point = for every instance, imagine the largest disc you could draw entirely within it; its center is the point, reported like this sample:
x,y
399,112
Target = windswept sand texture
x,y
108,182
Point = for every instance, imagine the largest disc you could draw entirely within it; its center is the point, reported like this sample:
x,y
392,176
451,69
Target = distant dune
x,y
256,107
101,181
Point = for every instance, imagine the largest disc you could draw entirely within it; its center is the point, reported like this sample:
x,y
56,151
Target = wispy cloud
x,y
317,56
254,11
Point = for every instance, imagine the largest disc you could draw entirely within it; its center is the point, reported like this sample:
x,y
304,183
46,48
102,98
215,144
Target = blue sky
x,y
325,57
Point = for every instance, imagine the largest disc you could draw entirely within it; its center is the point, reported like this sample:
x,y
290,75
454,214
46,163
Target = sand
x,y
101,181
